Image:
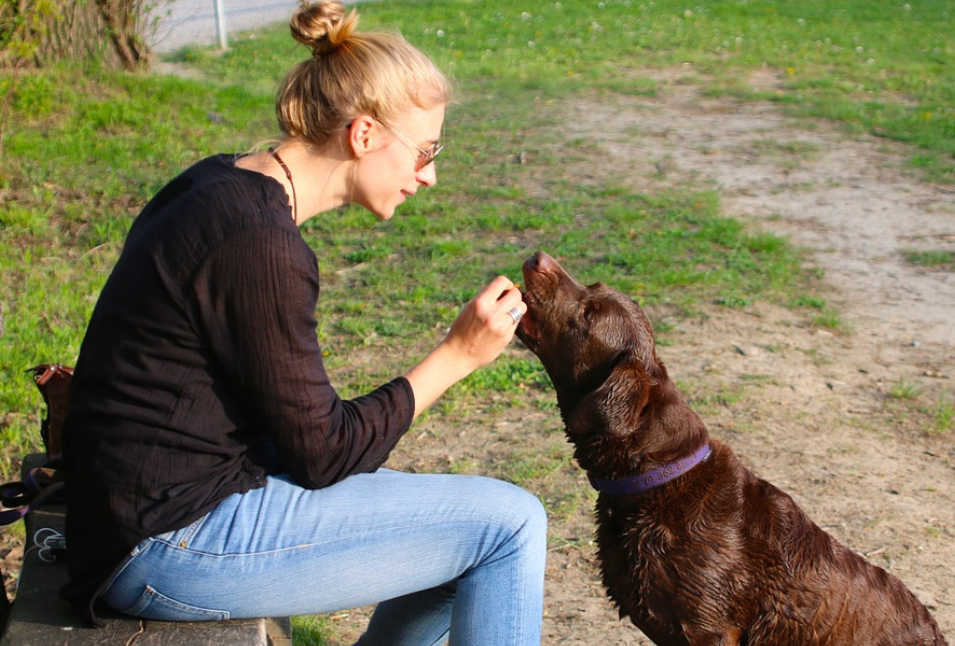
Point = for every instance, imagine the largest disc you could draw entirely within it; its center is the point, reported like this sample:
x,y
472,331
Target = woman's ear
x,y
362,135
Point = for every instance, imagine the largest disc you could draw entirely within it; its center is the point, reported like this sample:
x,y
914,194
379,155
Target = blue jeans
x,y
444,557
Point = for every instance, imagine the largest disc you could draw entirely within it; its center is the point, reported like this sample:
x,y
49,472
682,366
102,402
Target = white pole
x,y
220,25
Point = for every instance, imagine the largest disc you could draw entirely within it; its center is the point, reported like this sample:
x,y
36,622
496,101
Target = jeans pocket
x,y
154,605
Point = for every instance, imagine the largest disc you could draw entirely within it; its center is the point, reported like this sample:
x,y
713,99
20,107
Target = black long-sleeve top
x,y
201,372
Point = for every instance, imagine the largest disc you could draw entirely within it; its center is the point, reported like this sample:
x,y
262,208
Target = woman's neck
x,y
315,182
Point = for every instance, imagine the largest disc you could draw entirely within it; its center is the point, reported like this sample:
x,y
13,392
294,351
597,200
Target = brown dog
x,y
692,546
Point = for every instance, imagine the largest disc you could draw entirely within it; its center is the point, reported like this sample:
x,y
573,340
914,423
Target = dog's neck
x,y
665,432
655,478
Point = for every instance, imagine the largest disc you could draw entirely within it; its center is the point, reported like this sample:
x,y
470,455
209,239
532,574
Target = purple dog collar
x,y
655,478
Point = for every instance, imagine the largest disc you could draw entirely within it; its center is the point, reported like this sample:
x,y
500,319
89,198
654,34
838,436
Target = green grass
x,y
933,259
904,389
943,414
85,148
311,630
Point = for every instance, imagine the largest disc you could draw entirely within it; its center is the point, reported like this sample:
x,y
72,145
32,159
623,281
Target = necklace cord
x,y
288,174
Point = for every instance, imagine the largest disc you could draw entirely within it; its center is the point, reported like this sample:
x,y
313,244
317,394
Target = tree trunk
x,y
121,18
106,30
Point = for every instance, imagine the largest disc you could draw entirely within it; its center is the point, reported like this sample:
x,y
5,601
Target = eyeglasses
x,y
425,157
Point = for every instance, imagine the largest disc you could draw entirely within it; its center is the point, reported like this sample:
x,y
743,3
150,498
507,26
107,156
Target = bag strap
x,y
38,486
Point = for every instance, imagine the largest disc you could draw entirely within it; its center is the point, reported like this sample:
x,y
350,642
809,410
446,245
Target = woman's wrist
x,y
443,367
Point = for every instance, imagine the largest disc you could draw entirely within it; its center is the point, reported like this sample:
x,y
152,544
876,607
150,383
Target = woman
x,y
212,470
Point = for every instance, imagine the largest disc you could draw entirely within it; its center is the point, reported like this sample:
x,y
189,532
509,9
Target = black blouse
x,y
200,373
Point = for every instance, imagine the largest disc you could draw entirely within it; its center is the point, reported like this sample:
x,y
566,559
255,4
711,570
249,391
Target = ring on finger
x,y
515,314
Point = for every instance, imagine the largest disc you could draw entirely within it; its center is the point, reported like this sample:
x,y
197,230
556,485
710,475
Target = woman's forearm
x,y
478,336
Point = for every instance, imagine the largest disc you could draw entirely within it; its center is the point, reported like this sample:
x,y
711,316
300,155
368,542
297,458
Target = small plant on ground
x,y
830,319
905,390
944,415
940,259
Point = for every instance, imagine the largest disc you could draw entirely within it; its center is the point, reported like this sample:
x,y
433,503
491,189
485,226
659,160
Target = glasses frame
x,y
425,156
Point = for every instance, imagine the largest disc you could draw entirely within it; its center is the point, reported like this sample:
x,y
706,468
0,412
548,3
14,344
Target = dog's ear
x,y
644,343
616,405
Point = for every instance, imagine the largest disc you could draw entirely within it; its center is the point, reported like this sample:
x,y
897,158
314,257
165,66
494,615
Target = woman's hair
x,y
351,73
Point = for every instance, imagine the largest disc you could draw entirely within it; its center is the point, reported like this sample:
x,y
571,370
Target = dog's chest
x,y
632,552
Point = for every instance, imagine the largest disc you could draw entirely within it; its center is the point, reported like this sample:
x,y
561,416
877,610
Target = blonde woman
x,y
213,471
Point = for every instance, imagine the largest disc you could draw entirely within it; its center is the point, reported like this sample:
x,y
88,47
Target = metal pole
x,y
220,25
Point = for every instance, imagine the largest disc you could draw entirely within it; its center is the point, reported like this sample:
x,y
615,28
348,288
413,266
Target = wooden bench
x,y
38,617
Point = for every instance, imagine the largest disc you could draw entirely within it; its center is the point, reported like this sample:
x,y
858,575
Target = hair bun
x,y
322,26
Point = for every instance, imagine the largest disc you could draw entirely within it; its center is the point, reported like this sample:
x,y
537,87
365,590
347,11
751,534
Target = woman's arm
x,y
479,334
255,304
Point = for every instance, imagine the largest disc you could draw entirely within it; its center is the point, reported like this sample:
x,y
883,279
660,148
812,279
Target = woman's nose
x,y
428,176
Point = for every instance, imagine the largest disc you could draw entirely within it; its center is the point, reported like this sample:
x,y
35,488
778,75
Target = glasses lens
x,y
427,156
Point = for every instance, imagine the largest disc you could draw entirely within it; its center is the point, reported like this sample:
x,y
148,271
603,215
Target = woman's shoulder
x,y
216,191
220,173
213,205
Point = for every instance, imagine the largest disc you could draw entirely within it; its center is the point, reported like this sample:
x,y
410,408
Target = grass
x,y
85,148
932,259
943,415
917,407
311,630
905,390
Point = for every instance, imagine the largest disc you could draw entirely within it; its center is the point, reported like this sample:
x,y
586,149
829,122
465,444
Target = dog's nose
x,y
541,262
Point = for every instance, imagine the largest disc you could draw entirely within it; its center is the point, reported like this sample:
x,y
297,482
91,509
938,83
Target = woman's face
x,y
386,176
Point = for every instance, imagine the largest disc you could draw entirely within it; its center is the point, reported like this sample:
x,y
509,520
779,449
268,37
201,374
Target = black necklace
x,y
288,174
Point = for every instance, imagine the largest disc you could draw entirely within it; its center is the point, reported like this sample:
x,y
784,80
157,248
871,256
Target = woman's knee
x,y
517,509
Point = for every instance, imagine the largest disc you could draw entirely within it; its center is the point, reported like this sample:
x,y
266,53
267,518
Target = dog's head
x,y
595,343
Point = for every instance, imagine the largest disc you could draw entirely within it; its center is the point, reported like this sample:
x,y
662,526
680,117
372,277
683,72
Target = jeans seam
x,y
179,545
192,530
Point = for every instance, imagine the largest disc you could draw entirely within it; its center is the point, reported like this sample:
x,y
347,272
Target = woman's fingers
x,y
507,301
486,325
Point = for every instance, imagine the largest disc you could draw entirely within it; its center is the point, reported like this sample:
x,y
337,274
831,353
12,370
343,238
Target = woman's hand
x,y
477,337
484,328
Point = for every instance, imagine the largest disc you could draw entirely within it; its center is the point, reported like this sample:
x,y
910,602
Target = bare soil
x,y
844,420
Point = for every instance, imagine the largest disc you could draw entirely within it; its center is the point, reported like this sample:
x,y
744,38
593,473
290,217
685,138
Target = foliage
x,y
23,23
22,27
934,258
110,32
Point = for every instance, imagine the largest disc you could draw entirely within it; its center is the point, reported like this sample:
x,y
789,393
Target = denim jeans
x,y
444,556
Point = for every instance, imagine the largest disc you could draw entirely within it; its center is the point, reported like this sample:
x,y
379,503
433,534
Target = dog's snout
x,y
546,264
541,262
